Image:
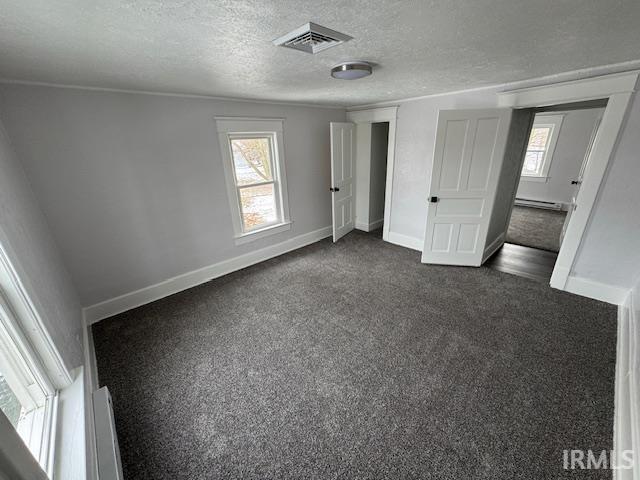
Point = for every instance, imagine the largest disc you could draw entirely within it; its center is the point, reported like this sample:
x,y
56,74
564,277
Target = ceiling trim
x,y
11,81
572,75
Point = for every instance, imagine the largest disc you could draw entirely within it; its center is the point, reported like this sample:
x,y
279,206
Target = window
x,y
252,154
31,374
542,143
26,397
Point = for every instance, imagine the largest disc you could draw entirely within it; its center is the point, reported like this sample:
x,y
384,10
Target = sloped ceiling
x,y
223,48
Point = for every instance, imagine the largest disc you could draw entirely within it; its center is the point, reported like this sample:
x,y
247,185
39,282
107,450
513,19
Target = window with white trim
x,y
541,146
31,375
27,398
253,157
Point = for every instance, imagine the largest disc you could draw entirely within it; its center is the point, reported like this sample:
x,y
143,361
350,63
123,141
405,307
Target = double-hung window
x,y
541,146
28,396
253,157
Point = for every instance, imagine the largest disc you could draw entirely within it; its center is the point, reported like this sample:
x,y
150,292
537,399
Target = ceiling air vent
x,y
312,38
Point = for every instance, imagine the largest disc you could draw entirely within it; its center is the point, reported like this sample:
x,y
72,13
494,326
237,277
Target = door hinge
x,y
334,189
434,200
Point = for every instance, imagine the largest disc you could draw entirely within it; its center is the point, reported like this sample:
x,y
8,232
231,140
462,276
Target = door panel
x,y
482,155
468,155
460,207
342,198
456,134
578,180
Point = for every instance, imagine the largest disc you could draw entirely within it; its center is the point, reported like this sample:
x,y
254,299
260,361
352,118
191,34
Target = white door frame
x,y
618,89
376,115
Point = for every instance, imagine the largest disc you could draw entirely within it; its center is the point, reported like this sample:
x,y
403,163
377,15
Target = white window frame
x,y
231,128
26,378
554,122
32,367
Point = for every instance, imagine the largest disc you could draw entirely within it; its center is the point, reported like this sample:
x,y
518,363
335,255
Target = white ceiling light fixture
x,y
351,70
311,38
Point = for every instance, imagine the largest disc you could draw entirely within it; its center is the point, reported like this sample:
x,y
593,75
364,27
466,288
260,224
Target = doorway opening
x,y
362,159
372,140
557,153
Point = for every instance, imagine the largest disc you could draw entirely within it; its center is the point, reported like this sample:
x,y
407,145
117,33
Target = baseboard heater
x,y
109,464
523,202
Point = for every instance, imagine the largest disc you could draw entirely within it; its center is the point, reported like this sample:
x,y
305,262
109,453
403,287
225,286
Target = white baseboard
x,y
406,241
187,280
596,290
369,227
493,246
525,202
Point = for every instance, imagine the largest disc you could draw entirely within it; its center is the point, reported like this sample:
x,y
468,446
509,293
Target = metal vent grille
x,y
311,38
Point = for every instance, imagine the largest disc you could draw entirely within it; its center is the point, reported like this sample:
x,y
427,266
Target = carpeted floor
x,y
536,227
356,361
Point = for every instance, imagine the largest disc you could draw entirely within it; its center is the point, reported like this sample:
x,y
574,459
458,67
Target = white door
x,y
342,162
468,156
578,180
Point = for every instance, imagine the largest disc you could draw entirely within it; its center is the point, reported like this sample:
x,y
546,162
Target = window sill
x,y
263,232
527,178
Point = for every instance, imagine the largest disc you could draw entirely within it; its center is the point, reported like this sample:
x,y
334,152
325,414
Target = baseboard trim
x,y
369,227
599,291
493,247
526,202
122,303
406,241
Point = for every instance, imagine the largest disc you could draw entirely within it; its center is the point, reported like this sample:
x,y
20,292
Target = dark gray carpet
x,y
355,361
536,227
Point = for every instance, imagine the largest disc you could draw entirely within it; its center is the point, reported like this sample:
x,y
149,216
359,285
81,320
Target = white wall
x,y
573,141
610,252
26,238
133,184
378,177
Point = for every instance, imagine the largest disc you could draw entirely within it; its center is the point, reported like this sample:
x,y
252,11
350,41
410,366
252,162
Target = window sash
x,y
543,165
24,376
278,210
275,174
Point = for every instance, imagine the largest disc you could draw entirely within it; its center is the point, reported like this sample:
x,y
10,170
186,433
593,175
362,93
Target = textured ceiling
x,y
223,47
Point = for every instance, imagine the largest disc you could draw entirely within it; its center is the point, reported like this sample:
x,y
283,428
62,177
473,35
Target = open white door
x,y
468,156
342,160
578,180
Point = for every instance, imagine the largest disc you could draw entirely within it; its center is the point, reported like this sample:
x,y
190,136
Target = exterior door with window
x,y
468,156
342,162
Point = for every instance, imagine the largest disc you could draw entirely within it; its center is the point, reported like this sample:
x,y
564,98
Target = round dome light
x,y
351,70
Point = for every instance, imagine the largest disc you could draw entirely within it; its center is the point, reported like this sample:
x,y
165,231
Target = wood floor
x,y
526,262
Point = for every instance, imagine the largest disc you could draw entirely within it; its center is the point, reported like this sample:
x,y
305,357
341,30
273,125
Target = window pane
x,y
258,206
539,137
532,163
9,404
252,160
